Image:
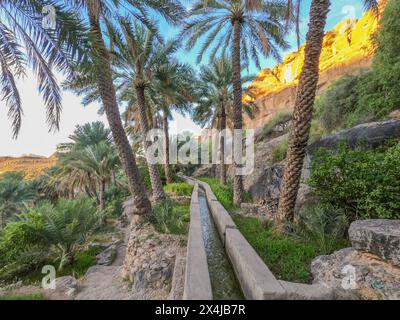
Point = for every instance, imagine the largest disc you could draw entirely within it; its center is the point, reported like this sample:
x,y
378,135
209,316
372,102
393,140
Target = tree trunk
x,y
237,108
102,195
302,115
158,191
222,145
102,64
166,137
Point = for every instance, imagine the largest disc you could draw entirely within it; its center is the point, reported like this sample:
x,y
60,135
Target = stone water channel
x,y
223,281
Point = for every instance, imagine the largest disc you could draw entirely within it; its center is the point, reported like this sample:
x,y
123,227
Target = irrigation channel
x,y
223,281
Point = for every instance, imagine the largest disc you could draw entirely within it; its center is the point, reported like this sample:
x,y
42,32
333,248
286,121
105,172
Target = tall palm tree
x,y
100,60
139,54
216,100
25,43
248,28
173,89
303,110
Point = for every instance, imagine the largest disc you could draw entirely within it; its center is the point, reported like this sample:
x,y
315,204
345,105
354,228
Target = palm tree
x,y
303,110
216,100
88,163
15,196
25,43
96,164
87,135
139,57
248,28
101,62
173,89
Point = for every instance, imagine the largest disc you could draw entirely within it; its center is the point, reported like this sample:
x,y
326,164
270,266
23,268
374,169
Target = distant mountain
x,y
31,165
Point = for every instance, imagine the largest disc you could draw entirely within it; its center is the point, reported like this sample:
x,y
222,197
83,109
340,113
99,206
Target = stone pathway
x,y
105,282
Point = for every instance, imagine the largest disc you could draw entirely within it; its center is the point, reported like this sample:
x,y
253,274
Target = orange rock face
x,y
347,47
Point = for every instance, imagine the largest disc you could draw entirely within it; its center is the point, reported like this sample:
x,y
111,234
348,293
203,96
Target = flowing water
x,y
223,281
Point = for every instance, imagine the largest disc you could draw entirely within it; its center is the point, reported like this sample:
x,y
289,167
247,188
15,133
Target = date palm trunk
x,y
237,109
102,195
102,65
166,137
222,145
158,191
302,116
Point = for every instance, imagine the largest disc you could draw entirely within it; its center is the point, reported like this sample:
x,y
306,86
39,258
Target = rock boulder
x,y
357,273
379,237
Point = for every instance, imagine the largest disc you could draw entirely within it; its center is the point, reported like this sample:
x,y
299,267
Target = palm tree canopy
x,y
214,89
87,135
261,21
25,43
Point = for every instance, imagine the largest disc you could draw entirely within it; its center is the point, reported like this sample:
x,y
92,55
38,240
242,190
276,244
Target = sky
x,y
35,137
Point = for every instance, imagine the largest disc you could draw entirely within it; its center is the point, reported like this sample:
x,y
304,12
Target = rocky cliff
x,y
346,49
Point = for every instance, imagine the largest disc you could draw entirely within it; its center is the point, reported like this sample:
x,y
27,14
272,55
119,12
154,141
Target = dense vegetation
x,y
53,219
372,94
364,183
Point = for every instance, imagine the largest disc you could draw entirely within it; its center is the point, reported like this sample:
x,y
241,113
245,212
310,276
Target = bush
x,y
115,197
364,183
338,102
48,231
171,217
323,226
179,189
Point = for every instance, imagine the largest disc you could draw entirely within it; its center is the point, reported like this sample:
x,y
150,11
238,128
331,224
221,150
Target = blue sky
x,y
35,138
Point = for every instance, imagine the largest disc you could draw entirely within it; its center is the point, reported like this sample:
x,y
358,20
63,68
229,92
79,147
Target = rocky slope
x,y
346,49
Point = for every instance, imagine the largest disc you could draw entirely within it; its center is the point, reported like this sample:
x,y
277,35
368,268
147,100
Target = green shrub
x,y
48,232
364,183
179,189
323,226
277,119
171,217
115,197
338,102
279,152
16,195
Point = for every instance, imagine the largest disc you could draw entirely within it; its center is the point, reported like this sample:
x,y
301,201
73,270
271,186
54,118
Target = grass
x,y
223,193
276,120
171,217
34,296
179,189
280,151
287,258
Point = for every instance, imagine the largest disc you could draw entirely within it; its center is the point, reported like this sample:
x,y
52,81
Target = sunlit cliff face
x,y
349,41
